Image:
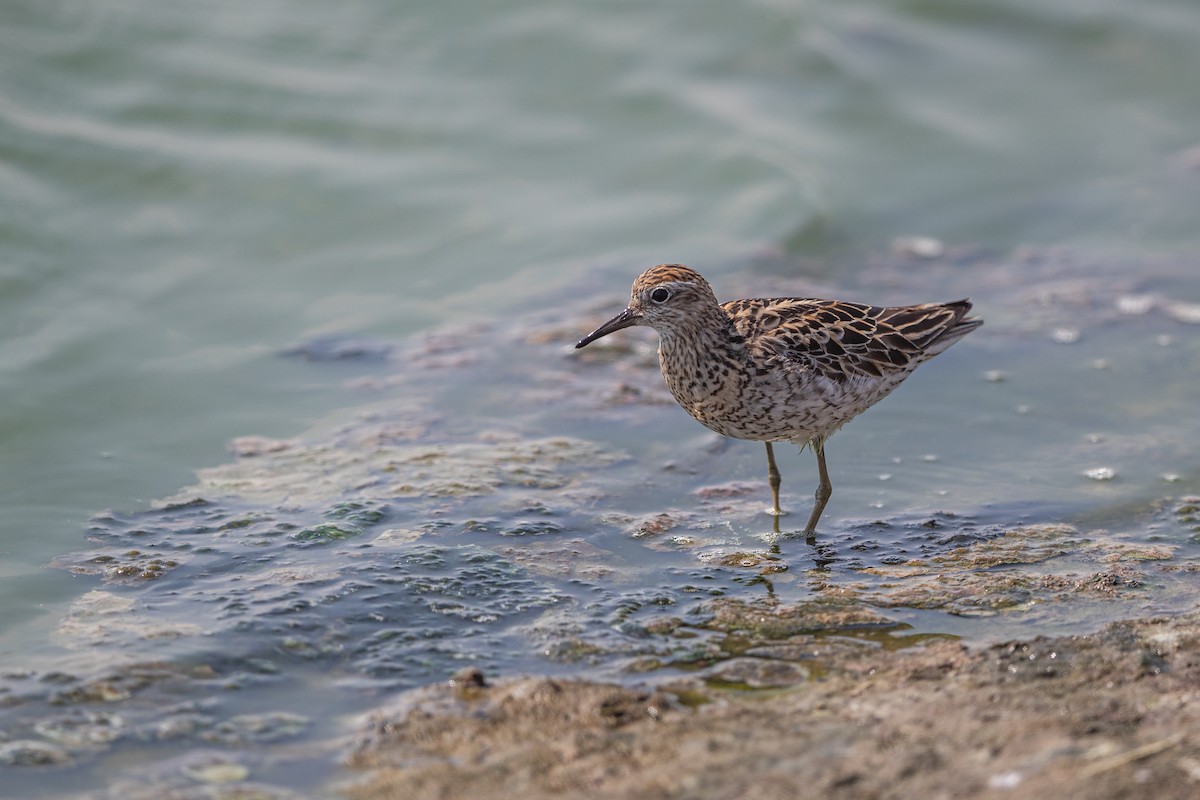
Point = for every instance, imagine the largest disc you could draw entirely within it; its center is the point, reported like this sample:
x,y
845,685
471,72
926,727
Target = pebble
x,y
919,246
216,770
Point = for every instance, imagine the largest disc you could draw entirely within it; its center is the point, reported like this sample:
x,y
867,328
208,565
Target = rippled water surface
x,y
290,418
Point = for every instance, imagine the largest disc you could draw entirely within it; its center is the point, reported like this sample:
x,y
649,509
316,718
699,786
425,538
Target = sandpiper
x,y
782,369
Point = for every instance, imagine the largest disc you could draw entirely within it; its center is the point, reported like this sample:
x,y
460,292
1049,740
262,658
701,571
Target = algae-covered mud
x,y
1111,715
493,500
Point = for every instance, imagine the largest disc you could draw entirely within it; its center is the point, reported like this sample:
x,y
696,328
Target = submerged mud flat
x,y
495,501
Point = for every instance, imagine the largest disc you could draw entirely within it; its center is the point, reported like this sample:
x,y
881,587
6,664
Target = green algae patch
x,y
743,560
748,673
361,460
765,644
358,512
965,593
1116,552
1025,545
100,616
767,619
326,532
574,558
124,566
1023,568
1188,511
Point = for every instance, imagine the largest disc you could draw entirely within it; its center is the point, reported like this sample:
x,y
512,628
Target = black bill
x,y
623,320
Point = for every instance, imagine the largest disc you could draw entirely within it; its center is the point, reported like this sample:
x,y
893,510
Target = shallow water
x,y
454,194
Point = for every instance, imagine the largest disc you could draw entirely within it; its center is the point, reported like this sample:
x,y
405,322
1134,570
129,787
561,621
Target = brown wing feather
x,y
842,340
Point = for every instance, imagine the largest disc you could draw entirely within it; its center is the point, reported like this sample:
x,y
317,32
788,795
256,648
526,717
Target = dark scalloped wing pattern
x,y
839,339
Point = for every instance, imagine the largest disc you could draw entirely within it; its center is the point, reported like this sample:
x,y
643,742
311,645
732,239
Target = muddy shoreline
x,y
1112,714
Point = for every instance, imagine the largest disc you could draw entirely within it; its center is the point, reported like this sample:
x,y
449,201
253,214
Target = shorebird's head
x,y
669,298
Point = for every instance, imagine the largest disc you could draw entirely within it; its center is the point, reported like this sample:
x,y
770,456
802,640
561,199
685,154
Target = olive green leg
x,y
824,488
773,479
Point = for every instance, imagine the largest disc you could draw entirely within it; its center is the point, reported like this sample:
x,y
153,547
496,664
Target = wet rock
x,y
127,566
763,563
181,726
32,753
103,690
662,626
653,525
756,673
215,770
575,650
469,678
81,728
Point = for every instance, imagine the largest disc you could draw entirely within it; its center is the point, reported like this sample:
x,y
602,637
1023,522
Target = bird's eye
x,y
660,295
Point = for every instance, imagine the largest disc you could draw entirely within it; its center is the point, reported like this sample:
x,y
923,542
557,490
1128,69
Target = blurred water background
x,y
188,189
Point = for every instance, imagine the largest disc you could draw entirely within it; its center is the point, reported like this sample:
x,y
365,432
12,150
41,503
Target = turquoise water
x,y
189,189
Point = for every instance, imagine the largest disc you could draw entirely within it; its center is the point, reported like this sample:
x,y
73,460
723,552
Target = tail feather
x,y
959,326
